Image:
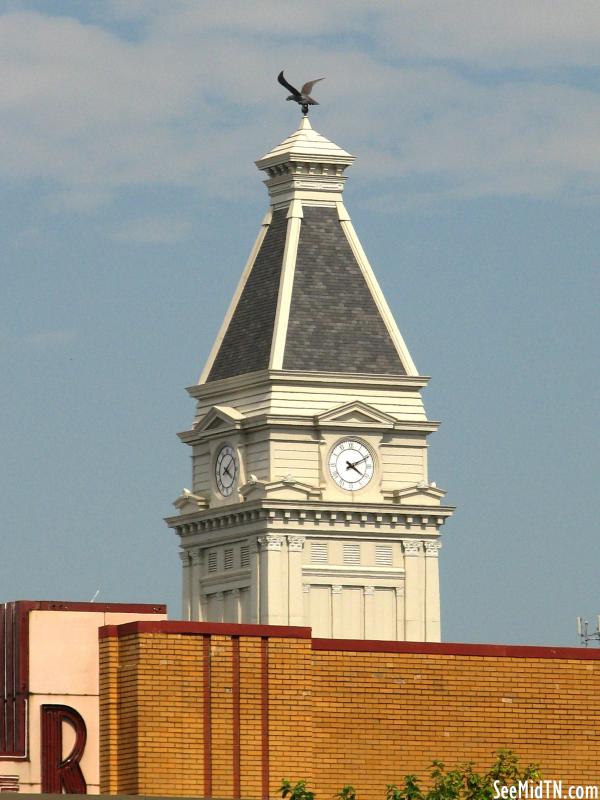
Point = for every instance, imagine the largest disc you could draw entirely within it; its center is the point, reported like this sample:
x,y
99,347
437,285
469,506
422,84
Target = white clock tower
x,y
310,502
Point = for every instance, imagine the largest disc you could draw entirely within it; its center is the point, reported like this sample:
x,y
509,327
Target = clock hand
x,y
359,461
352,466
226,471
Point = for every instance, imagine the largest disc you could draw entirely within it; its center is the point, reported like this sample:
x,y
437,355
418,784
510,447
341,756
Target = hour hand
x,y
352,466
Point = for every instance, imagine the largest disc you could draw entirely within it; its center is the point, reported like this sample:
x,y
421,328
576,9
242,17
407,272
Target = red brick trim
x,y
204,628
207,716
114,608
235,671
264,714
14,678
457,649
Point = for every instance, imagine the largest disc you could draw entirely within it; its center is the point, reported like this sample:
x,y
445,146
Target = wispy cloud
x,y
153,230
484,97
39,340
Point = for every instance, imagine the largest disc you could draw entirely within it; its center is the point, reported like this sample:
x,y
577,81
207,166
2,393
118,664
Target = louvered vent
x,y
351,554
244,556
383,555
228,559
212,562
318,552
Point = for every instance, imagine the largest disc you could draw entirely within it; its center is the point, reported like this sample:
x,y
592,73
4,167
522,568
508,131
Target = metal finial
x,y
301,97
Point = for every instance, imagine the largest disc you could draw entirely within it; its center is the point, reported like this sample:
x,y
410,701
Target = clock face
x,y
226,470
351,464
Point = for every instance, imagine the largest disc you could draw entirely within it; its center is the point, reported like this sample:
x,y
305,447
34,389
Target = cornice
x,y
281,421
265,377
323,515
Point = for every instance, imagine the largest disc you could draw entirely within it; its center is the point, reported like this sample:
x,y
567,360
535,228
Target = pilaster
x,y
414,627
336,612
432,592
295,545
369,605
186,562
273,586
400,625
254,582
195,584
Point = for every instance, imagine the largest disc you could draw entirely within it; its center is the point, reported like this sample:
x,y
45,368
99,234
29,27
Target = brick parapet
x,y
218,710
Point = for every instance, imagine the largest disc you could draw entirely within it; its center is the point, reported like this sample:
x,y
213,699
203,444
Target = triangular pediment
x,y
190,503
285,489
353,413
220,417
422,494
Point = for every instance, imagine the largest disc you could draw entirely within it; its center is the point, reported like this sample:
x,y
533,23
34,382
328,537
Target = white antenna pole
x,y
96,593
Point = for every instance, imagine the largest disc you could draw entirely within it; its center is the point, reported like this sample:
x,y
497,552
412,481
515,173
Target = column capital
x,y
306,587
412,547
369,590
185,557
196,555
295,542
432,548
336,589
270,541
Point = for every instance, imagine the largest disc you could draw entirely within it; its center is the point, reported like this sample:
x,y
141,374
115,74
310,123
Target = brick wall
x,y
230,710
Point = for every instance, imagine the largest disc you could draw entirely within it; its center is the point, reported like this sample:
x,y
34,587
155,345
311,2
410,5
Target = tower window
x,y
212,562
244,556
351,554
383,555
229,558
318,552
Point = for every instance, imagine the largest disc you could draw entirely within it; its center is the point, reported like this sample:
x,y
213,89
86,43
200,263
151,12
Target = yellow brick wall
x,y
290,711
335,715
250,717
379,716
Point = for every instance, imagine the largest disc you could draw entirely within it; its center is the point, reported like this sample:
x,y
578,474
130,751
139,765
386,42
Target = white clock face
x,y
226,470
351,464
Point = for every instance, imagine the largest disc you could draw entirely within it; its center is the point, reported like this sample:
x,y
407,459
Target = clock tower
x,y
310,501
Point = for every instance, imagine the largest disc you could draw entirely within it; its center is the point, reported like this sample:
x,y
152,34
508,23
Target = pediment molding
x,y
219,417
421,494
188,502
354,413
285,489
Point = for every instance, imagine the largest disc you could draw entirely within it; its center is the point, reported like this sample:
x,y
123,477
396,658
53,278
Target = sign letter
x,y
60,774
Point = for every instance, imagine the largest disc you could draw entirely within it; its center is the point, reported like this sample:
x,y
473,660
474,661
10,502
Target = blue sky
x,y
128,204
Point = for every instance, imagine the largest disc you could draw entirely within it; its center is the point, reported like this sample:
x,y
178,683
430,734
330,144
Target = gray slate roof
x,y
334,324
246,346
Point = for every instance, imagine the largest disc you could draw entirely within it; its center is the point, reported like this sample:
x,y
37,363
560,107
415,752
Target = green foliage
x,y
296,792
460,783
463,783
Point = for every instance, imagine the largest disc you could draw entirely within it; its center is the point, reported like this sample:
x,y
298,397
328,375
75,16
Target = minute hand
x,y
354,463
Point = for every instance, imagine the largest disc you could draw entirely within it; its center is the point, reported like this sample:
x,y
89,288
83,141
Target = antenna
x,y
582,631
96,593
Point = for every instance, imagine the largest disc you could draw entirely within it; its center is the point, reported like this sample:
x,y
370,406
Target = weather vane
x,y
301,97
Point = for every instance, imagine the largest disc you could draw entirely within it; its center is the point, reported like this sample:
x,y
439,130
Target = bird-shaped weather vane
x,y
301,97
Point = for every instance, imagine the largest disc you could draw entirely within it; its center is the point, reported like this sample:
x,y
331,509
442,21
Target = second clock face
x,y
351,464
226,470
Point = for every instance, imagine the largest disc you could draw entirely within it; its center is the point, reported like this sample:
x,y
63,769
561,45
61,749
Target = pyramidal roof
x,y
305,143
308,300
